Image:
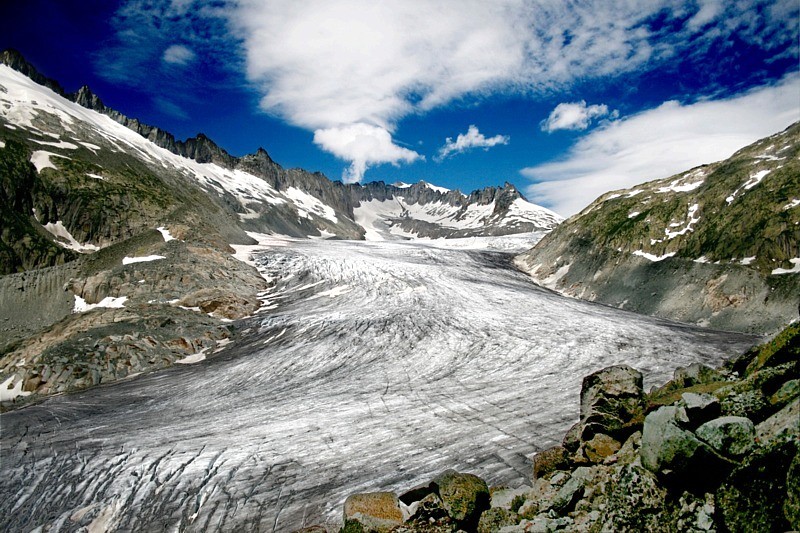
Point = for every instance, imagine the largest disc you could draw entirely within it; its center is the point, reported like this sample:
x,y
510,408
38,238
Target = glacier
x,y
371,366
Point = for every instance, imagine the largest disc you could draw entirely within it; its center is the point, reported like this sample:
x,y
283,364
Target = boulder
x,y
696,374
700,408
600,447
496,518
786,393
464,496
733,436
572,438
510,499
784,422
675,454
567,496
549,460
373,512
635,502
612,403
753,497
430,510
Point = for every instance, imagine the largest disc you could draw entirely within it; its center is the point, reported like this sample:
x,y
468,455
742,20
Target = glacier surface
x,y
372,366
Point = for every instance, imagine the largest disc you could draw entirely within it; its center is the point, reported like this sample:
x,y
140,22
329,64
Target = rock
x,y
629,451
782,422
496,518
464,496
600,447
751,404
375,512
572,438
612,402
753,497
696,374
788,391
567,496
730,435
430,509
700,408
791,507
635,502
677,455
510,499
418,493
548,461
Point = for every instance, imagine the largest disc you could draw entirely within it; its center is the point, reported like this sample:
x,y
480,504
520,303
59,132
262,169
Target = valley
x,y
369,366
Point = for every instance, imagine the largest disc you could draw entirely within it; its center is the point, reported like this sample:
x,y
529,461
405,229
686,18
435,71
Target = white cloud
x,y
332,63
472,139
574,116
363,145
178,54
661,142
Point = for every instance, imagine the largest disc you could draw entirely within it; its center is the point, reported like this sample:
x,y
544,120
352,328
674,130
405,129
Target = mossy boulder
x,y
733,436
612,403
464,496
372,512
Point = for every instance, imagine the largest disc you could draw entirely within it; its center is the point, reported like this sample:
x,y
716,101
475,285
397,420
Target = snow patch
x,y
652,257
194,358
11,388
65,238
702,259
333,293
435,188
108,302
791,205
748,260
95,176
93,147
691,221
165,233
41,159
60,144
307,204
2,144
633,214
142,259
794,270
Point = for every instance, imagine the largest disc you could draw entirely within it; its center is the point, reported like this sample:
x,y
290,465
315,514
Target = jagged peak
x,y
14,59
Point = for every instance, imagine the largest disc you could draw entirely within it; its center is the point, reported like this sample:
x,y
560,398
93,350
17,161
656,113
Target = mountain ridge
x,y
717,245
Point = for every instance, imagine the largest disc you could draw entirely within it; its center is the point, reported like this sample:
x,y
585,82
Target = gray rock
x,y
788,391
635,502
675,454
700,408
730,435
784,421
510,499
494,519
567,496
612,402
376,512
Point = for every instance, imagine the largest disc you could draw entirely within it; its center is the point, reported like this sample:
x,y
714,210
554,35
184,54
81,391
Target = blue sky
x,y
566,100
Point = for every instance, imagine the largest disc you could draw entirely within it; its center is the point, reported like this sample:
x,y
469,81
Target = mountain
x,y
104,170
718,245
116,238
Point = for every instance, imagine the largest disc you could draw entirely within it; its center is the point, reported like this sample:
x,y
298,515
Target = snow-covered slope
x,y
372,366
63,131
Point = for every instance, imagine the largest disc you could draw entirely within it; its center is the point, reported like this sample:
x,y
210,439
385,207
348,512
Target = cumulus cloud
x,y
467,141
575,116
660,142
321,64
178,54
363,145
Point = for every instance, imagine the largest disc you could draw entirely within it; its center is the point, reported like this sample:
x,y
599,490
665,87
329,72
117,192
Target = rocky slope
x,y
115,238
711,450
718,245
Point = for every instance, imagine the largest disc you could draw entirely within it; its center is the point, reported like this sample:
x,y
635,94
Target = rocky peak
x,y
86,98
